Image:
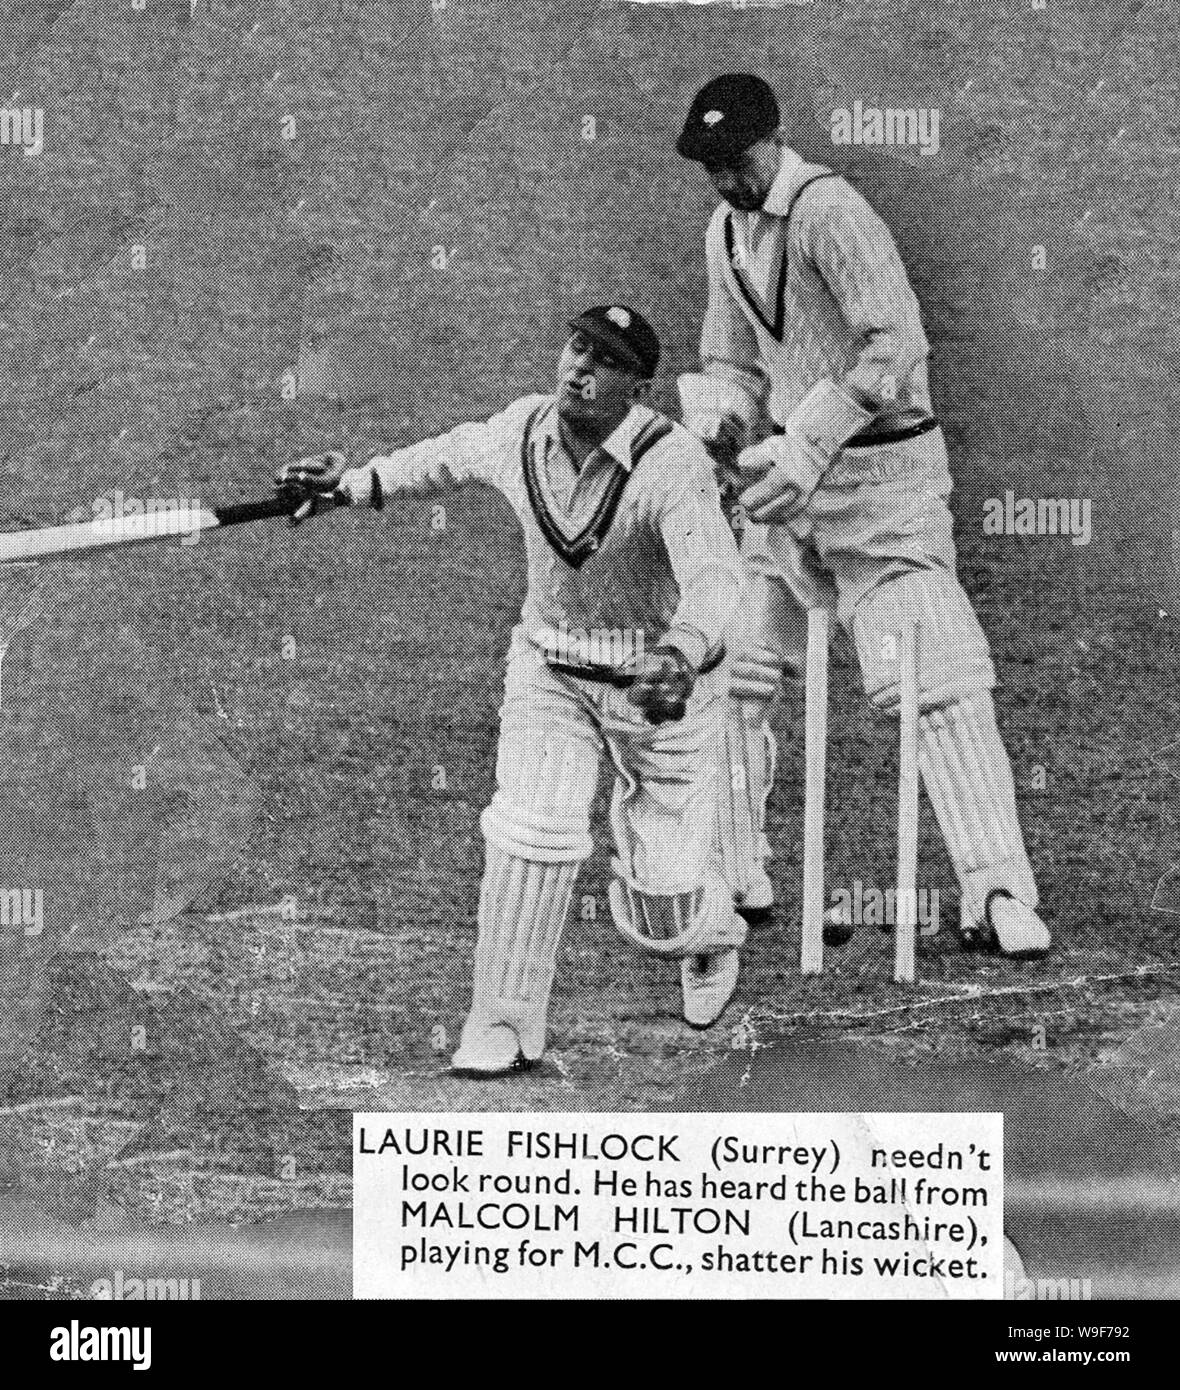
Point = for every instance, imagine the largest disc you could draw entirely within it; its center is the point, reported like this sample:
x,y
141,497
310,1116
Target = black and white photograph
x,y
589,653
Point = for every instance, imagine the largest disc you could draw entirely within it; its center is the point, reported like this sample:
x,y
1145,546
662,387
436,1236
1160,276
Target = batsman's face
x,y
746,181
593,387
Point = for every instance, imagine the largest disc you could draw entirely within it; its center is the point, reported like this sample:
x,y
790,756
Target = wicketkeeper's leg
x,y
537,833
961,754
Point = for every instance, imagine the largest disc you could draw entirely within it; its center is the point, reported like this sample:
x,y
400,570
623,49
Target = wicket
x,y
815,748
815,753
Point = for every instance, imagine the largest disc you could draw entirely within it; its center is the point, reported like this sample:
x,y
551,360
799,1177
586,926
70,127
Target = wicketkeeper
x,y
814,373
633,577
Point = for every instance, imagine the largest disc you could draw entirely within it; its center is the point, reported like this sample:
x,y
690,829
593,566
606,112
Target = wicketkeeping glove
x,y
661,682
789,467
780,476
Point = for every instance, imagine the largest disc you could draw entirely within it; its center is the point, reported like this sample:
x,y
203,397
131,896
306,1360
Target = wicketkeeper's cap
x,y
623,332
727,116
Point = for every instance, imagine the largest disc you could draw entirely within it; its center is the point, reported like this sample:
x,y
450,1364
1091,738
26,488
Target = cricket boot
x,y
1009,928
699,927
708,982
488,1050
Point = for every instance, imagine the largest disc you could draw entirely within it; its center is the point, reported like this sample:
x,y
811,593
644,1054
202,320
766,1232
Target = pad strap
x,y
675,925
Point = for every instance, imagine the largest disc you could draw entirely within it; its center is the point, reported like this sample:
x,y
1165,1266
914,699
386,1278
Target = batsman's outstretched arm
x,y
476,452
481,451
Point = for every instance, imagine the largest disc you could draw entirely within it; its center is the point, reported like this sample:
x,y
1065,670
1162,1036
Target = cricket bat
x,y
86,537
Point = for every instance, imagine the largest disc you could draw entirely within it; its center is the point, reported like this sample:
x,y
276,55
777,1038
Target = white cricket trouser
x,y
554,732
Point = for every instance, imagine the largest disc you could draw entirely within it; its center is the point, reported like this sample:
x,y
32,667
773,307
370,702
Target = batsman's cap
x,y
727,116
623,332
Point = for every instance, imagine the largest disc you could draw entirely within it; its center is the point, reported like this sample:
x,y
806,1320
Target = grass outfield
x,y
369,738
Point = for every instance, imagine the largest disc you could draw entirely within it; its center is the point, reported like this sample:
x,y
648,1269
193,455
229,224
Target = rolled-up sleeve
x,y
705,563
853,250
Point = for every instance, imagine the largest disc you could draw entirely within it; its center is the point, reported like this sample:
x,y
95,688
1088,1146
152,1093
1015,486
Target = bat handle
x,y
311,505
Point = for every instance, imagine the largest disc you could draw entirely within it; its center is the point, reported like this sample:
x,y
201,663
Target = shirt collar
x,y
618,443
782,190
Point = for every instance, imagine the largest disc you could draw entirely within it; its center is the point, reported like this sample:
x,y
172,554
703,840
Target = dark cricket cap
x,y
727,116
625,333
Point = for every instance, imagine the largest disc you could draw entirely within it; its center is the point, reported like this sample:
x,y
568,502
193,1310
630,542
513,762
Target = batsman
x,y
633,577
814,382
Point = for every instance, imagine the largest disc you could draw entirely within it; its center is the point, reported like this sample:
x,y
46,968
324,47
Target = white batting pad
x,y
747,777
954,661
538,832
522,912
969,781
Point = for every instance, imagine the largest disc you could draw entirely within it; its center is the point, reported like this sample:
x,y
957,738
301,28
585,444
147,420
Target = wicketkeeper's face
x,y
745,181
593,386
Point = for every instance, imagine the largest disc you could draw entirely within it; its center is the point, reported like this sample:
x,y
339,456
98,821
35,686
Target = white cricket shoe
x,y
1011,928
708,983
489,1049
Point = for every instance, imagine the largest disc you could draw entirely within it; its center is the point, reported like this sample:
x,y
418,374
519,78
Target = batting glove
x,y
662,681
313,483
720,413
